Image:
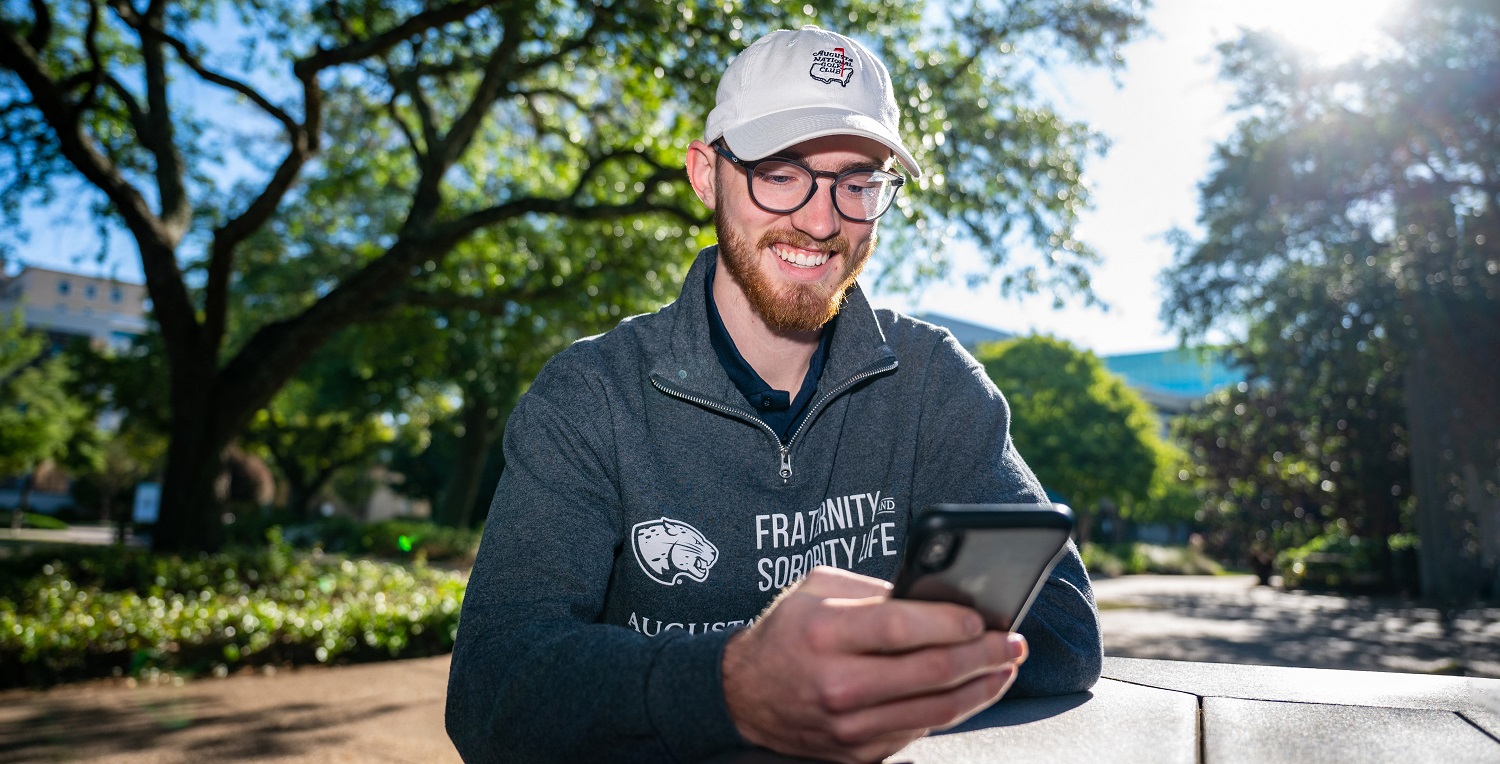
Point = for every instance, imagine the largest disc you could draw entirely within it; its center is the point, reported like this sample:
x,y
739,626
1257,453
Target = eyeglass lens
x,y
784,187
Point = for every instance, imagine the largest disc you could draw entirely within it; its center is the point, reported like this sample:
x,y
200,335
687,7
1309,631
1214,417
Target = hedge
x,y
101,611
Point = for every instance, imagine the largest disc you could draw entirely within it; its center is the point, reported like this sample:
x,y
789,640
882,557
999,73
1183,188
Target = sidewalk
x,y
393,712
1228,619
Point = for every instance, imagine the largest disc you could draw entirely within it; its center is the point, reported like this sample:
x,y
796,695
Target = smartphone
x,y
990,557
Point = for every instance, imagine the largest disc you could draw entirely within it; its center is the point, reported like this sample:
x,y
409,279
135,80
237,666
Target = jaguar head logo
x,y
667,550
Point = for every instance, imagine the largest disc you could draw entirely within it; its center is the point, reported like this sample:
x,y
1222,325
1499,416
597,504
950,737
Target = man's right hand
x,y
836,669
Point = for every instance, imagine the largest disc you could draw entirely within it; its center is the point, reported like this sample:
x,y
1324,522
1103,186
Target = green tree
x,y
1315,441
39,418
1376,185
364,395
400,132
1084,432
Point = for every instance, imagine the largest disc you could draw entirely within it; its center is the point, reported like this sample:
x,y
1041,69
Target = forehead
x,y
838,151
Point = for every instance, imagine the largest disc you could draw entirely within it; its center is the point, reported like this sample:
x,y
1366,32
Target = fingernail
x,y
1015,644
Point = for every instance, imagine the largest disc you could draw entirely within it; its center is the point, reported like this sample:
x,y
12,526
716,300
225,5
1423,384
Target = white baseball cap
x,y
795,85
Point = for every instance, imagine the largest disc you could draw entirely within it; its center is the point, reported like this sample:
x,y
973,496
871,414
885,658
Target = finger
x,y
934,711
880,748
896,626
1006,680
830,582
873,680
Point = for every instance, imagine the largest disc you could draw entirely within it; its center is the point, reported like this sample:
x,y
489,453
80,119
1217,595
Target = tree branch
x,y
159,135
96,66
493,303
229,83
411,139
374,46
127,98
412,87
157,242
461,134
569,207
41,32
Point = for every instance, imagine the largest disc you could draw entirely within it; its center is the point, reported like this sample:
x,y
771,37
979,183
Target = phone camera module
x,y
937,551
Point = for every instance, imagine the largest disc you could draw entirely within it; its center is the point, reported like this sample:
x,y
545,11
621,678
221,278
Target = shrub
x,y
110,610
1100,562
1334,560
1135,559
395,539
32,520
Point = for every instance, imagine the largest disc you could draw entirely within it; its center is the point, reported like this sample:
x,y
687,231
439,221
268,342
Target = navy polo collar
x,y
776,408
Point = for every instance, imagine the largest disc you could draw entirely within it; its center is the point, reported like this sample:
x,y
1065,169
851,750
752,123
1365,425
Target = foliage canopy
x,y
1353,222
477,156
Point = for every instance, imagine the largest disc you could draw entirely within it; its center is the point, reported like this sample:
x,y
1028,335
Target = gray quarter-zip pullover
x,y
646,513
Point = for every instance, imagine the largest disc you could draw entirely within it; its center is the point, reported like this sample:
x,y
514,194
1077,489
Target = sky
x,y
1163,120
1162,114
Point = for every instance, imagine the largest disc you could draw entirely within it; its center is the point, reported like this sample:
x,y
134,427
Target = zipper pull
x,y
786,464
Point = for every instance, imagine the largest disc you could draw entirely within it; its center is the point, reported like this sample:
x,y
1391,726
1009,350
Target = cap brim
x,y
768,134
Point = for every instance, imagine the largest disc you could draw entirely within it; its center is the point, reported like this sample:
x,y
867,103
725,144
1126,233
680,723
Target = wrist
x,y
736,673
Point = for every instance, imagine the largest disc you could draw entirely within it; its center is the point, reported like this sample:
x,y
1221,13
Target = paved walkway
x,y
1228,619
393,712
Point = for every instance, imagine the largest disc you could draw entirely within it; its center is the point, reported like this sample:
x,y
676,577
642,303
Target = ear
x,y
702,163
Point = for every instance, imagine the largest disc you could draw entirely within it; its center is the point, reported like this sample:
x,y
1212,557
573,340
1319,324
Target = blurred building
x,y
1170,380
971,336
1173,380
67,305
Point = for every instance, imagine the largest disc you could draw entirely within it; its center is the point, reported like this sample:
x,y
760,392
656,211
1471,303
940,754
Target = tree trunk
x,y
191,496
1453,410
18,518
480,428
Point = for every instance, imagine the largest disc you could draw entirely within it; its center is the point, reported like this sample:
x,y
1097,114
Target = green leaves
x,y
1085,434
1350,226
123,609
40,418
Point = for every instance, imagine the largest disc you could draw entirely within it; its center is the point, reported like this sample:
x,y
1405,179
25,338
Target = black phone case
x,y
1000,557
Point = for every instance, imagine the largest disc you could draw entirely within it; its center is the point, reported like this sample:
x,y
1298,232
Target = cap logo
x,y
830,66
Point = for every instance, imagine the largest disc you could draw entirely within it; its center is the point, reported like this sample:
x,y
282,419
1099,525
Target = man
x,y
767,436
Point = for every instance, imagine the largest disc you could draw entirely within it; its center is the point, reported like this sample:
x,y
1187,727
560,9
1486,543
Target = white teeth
x,y
800,257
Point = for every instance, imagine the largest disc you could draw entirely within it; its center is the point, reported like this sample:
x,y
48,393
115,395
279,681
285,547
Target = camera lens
x,y
935,552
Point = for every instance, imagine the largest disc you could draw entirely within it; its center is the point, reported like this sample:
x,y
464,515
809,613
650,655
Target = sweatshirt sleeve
x,y
965,455
533,677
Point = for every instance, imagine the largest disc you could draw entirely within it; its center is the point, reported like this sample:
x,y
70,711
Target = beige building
x,y
107,311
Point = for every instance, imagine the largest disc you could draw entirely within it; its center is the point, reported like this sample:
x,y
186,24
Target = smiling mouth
x,y
802,258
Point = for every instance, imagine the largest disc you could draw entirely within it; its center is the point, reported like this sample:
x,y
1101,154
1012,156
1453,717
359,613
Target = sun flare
x,y
1334,31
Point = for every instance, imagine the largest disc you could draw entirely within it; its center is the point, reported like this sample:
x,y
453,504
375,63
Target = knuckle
x,y
837,695
894,631
940,664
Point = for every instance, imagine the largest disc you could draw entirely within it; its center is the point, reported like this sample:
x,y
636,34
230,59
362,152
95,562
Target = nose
x,y
819,218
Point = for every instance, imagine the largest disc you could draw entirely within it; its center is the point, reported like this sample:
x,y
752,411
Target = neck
x,y
780,357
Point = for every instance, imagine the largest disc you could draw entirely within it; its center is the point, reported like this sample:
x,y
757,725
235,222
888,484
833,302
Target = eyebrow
x,y
853,164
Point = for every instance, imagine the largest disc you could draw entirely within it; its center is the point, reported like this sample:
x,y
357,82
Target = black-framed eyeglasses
x,y
784,186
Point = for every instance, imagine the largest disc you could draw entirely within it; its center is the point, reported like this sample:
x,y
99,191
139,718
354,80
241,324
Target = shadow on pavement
x,y
1271,627
201,727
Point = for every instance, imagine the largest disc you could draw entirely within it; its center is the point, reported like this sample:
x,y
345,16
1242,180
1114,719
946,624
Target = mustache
x,y
838,245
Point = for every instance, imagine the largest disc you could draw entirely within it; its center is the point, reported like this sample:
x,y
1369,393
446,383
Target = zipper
x,y
786,453
785,469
